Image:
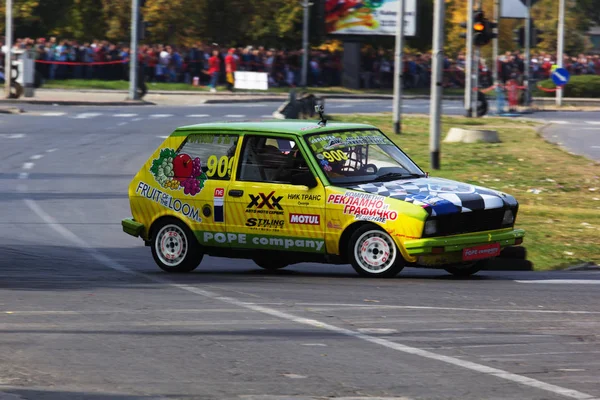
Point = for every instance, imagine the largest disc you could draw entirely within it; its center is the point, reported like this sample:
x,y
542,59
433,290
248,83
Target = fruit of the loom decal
x,y
172,170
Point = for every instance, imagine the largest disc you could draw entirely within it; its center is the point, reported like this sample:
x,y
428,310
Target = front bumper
x,y
448,249
132,227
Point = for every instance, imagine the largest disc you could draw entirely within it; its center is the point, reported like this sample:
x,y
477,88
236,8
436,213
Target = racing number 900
x,y
335,155
220,167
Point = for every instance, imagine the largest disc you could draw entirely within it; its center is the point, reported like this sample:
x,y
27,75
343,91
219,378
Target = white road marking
x,y
28,165
343,106
36,157
378,331
314,344
53,114
593,122
235,116
87,115
137,119
560,122
23,175
197,116
12,135
125,115
486,310
51,150
564,281
451,107
472,366
161,115
122,123
162,137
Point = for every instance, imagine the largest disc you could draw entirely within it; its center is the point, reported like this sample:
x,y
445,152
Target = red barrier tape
x,y
81,63
543,89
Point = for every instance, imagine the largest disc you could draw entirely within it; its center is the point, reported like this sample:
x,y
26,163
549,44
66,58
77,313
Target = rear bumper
x,y
448,249
132,227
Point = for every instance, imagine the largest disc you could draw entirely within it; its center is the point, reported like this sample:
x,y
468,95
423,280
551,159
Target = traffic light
x,y
534,38
479,38
483,29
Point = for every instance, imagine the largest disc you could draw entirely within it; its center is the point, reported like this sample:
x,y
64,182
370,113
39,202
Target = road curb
x,y
78,102
10,110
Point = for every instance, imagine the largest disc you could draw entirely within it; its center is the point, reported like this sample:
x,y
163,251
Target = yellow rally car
x,y
285,192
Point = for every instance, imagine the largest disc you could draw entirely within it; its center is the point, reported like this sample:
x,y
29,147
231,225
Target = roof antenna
x,y
321,109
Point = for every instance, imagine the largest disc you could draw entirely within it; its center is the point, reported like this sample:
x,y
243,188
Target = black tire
x,y
373,253
270,264
174,246
464,270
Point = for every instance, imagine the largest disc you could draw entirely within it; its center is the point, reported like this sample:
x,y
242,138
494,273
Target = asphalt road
x,y
86,314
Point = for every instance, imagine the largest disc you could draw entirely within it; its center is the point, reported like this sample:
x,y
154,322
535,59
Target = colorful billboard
x,y
368,17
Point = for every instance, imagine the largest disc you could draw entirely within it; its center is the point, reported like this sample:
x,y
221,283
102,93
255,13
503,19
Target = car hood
x,y
440,196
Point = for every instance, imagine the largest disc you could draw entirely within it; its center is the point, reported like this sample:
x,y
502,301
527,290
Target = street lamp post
x,y
8,45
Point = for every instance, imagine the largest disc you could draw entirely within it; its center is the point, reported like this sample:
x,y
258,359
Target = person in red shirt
x,y
214,66
230,68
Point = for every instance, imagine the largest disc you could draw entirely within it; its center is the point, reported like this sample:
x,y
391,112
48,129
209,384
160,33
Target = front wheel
x,y
464,270
373,253
174,247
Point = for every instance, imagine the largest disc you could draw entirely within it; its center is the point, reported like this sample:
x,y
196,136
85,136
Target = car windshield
x,y
351,157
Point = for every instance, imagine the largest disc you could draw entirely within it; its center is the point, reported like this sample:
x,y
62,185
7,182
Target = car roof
x,y
295,127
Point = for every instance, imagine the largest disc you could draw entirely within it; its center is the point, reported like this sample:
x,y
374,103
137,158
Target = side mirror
x,y
305,179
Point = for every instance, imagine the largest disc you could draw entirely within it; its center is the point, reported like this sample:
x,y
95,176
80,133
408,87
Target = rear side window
x,y
215,152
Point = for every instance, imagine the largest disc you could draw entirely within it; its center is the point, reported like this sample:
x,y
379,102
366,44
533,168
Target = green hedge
x,y
578,86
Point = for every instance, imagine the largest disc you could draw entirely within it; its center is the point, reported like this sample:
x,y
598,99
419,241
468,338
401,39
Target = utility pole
x,y
436,82
398,67
9,40
495,43
527,61
469,61
560,46
306,4
133,50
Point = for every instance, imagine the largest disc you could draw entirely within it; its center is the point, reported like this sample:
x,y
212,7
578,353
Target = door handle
x,y
236,193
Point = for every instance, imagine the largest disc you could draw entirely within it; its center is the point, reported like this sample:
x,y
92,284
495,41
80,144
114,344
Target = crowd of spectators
x,y
100,59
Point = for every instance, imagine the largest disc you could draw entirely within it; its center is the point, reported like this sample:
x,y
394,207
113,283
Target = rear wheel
x,y
174,247
372,252
463,270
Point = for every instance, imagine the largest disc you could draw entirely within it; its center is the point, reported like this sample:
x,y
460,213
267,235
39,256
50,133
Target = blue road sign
x,y
560,76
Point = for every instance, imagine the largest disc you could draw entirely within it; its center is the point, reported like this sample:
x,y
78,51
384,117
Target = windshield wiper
x,y
396,175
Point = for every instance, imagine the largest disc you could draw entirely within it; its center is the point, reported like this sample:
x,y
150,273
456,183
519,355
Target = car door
x,y
215,153
268,206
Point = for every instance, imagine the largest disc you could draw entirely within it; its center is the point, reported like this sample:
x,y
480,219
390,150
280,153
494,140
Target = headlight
x,y
509,218
430,227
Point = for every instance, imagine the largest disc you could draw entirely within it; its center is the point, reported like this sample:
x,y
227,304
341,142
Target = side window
x,y
215,152
269,159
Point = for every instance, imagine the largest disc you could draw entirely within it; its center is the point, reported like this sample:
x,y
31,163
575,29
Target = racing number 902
x,y
335,155
220,167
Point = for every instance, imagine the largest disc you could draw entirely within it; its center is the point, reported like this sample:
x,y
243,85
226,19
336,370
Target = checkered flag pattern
x,y
440,196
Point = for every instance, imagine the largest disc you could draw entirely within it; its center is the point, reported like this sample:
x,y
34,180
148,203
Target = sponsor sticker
x,y
364,206
265,224
265,204
263,242
218,204
309,197
480,252
166,200
305,219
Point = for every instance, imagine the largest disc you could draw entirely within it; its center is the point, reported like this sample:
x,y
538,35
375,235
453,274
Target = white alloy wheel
x,y
375,252
171,245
